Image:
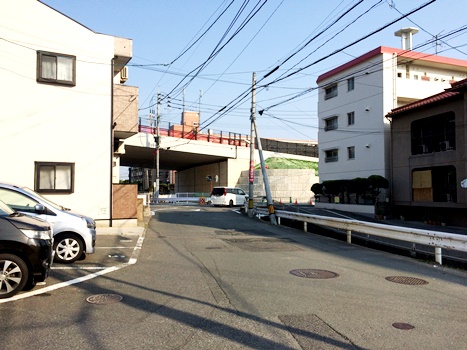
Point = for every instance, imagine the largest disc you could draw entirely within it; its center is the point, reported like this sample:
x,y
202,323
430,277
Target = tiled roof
x,y
426,101
448,93
458,84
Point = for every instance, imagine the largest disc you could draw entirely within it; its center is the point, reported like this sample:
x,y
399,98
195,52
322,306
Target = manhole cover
x,y
313,273
406,280
104,299
403,326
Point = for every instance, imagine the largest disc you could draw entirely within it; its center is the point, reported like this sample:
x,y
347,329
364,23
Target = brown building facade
x,y
429,158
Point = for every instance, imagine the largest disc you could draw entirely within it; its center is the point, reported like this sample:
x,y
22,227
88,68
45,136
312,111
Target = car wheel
x,y
231,203
13,275
68,248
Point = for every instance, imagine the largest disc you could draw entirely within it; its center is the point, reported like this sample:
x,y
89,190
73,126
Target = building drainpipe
x,y
111,138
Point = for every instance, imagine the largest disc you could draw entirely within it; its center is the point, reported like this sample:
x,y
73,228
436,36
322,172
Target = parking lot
x,y
210,278
116,248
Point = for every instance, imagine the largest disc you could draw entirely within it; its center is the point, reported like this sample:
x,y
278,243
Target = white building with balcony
x,y
354,98
64,109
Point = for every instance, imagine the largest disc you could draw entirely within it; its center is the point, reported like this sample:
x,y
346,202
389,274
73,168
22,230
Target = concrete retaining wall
x,y
287,185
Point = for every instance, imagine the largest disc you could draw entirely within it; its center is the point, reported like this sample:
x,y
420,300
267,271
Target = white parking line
x,y
105,270
61,285
113,248
78,268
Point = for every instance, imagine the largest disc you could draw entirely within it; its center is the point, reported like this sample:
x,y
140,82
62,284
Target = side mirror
x,y
40,209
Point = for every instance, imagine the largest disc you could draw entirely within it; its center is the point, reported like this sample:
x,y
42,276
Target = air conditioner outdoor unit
x,y
124,75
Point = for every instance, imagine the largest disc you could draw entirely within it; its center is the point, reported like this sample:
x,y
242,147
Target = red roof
x,y
452,92
426,101
459,84
400,53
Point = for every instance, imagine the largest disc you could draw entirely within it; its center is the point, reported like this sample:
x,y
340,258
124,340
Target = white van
x,y
74,234
228,196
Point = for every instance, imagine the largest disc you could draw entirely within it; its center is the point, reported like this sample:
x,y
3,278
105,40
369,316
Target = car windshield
x,y
56,206
5,210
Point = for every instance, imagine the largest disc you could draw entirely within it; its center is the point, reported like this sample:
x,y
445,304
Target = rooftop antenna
x,y
406,37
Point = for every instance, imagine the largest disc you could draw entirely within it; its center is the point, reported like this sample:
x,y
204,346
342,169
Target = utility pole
x,y
272,215
157,140
251,177
183,101
254,131
199,104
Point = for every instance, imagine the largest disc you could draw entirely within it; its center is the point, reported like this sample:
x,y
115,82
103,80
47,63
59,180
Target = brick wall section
x,y
124,202
125,108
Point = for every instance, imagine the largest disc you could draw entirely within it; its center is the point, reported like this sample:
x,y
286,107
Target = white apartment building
x,y
354,98
64,110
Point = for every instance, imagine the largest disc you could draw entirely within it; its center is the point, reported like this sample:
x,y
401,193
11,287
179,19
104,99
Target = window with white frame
x,y
350,84
54,68
53,177
351,152
330,91
351,118
331,155
330,123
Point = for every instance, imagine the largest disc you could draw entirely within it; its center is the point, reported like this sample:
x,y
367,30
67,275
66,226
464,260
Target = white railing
x,y
184,197
438,240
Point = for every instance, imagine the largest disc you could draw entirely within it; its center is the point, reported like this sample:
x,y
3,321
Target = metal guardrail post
x,y
438,255
436,239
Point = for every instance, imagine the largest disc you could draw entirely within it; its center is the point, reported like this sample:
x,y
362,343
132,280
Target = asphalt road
x,y
212,278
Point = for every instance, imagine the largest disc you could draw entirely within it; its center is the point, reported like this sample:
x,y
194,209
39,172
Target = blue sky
x,y
162,30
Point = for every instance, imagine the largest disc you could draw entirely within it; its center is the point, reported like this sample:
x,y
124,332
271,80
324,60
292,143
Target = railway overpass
x,y
195,156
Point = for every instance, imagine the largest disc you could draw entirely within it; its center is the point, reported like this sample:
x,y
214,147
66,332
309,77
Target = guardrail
x,y
185,197
438,240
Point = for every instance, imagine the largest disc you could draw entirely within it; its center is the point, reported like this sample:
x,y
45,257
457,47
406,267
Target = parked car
x,y
228,196
74,234
25,251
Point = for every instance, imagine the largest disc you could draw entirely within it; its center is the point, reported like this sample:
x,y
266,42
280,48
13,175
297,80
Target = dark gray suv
x,y
25,251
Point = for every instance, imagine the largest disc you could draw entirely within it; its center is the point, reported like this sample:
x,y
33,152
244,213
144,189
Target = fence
x,y
193,133
436,239
184,197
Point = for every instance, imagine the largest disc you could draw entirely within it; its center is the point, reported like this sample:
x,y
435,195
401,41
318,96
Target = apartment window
x,y
332,155
56,68
330,91
350,84
351,152
433,134
351,118
54,177
330,123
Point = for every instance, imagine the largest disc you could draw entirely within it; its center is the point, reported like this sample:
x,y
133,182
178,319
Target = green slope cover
x,y
287,163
